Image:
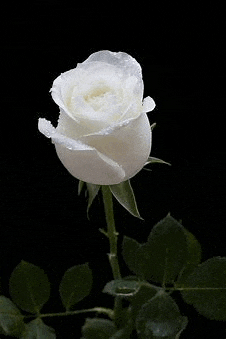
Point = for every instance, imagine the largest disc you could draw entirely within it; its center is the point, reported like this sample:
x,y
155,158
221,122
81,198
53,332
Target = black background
x,y
43,221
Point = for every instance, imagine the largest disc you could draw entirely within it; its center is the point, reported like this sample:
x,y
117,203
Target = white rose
x,y
103,134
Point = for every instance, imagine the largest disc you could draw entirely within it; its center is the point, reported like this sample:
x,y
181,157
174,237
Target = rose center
x,y
100,98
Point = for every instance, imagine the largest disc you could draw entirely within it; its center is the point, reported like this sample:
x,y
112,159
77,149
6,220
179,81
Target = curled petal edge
x,y
148,104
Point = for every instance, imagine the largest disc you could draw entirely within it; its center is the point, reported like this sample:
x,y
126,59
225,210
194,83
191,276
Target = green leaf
x,y
123,192
11,320
152,160
144,294
165,253
36,329
129,250
205,288
29,287
2,331
122,288
194,255
123,333
75,285
160,318
96,328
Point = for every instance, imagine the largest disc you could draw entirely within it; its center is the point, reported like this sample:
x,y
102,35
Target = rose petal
x,y
82,161
46,128
122,60
62,89
128,145
119,59
91,166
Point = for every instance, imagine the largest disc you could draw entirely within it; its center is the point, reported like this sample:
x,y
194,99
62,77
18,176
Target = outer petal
x,y
119,59
83,161
62,89
128,145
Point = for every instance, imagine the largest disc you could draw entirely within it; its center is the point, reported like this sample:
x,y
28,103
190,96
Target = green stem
x,y
111,231
102,310
113,256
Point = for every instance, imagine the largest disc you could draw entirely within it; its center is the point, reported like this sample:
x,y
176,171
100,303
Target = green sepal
x,y
160,318
36,329
11,320
205,288
122,288
153,160
153,126
29,287
97,328
123,192
75,285
80,186
92,191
